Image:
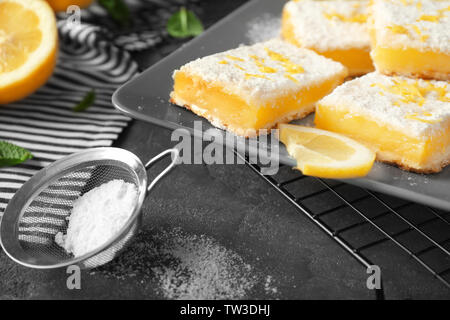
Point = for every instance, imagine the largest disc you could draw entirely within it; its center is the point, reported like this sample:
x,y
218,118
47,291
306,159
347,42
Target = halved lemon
x,y
326,154
62,5
28,47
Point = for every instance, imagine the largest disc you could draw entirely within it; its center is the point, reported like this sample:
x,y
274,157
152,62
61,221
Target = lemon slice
x,y
326,154
28,47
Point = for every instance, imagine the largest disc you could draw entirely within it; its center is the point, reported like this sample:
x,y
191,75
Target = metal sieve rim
x,y
35,185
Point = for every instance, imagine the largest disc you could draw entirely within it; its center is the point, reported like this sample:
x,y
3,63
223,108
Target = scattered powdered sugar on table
x,y
263,28
203,270
97,216
186,266
412,181
268,286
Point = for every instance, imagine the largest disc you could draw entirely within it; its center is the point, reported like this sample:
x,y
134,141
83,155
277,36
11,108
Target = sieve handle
x,y
175,157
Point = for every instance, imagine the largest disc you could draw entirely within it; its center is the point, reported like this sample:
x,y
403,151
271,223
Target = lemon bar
x,y
336,29
411,38
406,121
256,87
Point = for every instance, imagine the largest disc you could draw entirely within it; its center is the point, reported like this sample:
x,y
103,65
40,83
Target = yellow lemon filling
x,y
409,61
390,144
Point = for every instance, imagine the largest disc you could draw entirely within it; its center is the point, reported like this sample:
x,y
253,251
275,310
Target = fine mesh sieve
x,y
38,211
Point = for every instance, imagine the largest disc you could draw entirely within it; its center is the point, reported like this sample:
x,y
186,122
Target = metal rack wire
x,y
360,220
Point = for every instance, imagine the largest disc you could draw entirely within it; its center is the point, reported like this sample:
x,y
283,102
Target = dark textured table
x,y
234,206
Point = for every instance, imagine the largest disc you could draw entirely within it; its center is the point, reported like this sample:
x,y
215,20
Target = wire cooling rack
x,y
360,220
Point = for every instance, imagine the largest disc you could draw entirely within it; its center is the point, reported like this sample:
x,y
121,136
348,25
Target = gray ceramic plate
x,y
146,98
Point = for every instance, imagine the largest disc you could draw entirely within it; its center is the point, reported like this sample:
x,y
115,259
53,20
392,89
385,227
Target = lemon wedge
x,y
326,154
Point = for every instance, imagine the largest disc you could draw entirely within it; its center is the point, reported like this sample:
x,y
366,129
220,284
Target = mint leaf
x,y
183,24
87,101
118,10
10,154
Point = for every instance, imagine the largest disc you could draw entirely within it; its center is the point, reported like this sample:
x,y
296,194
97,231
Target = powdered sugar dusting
x,y
368,96
329,25
239,72
423,24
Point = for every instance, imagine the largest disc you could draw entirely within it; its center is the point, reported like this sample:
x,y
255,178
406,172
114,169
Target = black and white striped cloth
x,y
45,123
